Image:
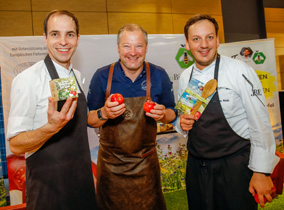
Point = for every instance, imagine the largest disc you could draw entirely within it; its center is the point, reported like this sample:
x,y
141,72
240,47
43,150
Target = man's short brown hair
x,y
60,12
197,18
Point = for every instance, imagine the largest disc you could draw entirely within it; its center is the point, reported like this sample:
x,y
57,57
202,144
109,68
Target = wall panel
x,y
15,5
179,21
155,6
72,5
38,18
92,23
15,23
89,22
152,23
275,27
274,14
197,7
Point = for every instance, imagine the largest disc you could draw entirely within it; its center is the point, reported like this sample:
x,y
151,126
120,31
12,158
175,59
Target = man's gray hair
x,y
131,27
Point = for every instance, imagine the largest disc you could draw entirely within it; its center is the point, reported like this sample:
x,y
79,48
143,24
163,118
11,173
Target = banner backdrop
x,y
260,55
168,51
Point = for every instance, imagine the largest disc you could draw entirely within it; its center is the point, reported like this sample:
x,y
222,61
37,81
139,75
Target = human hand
x,y
158,112
112,110
187,121
57,120
263,186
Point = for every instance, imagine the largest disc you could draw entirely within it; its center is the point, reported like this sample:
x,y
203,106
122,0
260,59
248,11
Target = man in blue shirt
x,y
128,173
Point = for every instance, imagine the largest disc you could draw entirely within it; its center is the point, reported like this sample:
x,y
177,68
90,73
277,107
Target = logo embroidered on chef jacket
x,y
256,92
144,85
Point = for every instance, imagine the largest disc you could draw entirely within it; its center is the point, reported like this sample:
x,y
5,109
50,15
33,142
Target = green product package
x,y
63,88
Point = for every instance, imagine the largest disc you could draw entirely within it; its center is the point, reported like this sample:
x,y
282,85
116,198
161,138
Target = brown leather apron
x,y
128,173
59,174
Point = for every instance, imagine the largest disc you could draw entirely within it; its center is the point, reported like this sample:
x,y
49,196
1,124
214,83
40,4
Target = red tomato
x,y
256,198
265,200
117,97
16,166
94,170
72,93
149,105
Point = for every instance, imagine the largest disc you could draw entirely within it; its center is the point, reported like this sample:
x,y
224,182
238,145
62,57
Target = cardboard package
x,y
63,88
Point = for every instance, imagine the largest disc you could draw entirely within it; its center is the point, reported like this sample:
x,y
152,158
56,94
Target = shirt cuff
x,y
179,129
262,161
18,125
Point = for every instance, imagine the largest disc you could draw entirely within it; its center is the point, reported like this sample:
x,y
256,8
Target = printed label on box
x,y
190,97
63,88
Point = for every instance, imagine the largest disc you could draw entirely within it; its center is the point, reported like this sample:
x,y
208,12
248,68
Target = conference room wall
x,y
25,18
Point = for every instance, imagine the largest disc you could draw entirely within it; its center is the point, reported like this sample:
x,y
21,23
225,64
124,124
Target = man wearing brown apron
x,y
58,162
128,172
231,146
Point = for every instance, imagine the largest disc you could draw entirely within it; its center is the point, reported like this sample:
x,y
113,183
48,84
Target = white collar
x,y
62,69
207,68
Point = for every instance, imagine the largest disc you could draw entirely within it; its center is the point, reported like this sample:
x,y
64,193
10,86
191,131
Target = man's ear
x,y
218,41
186,45
45,39
117,48
147,48
78,36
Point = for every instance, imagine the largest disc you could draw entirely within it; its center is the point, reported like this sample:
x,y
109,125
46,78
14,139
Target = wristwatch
x,y
100,116
266,174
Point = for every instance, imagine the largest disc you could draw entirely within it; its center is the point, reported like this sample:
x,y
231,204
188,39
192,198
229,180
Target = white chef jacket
x,y
245,112
29,98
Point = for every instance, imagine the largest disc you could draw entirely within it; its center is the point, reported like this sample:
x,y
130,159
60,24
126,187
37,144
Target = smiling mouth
x,y
133,59
63,50
204,52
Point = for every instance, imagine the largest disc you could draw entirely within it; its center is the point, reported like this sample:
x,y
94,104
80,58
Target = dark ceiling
x,y
273,3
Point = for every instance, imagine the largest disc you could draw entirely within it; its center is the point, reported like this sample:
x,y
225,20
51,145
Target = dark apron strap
x,y
110,74
51,68
217,67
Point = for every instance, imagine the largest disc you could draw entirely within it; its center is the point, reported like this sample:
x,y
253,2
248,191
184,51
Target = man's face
x,y
132,50
246,52
61,39
203,42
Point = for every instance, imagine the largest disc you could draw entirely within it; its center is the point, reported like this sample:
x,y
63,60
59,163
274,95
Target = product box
x,y
63,88
190,98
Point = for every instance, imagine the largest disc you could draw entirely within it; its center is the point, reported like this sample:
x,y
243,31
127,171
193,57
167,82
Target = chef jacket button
x,y
202,163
